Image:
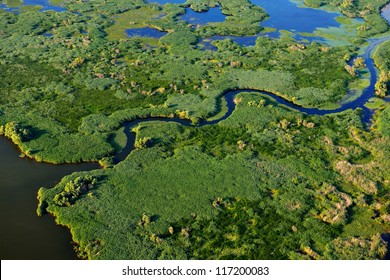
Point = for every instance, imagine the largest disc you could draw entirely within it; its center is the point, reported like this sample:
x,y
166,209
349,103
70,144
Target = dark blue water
x,y
145,32
46,6
286,15
203,18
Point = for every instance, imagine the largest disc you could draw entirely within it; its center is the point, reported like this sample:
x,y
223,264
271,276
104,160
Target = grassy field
x,y
175,198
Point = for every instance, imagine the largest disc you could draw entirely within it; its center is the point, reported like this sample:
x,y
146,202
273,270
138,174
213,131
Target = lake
x,y
23,234
203,18
288,15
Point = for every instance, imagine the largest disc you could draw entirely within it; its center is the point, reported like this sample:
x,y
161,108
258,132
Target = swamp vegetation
x,y
268,182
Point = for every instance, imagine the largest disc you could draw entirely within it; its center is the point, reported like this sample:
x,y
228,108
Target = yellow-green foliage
x,y
16,132
131,19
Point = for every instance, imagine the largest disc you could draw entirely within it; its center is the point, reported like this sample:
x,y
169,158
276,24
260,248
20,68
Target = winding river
x,y
26,236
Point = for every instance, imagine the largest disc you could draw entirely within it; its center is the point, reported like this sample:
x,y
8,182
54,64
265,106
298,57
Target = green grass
x,y
185,169
383,121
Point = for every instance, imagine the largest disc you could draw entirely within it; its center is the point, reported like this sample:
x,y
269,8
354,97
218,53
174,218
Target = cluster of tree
x,y
382,60
245,229
16,132
73,190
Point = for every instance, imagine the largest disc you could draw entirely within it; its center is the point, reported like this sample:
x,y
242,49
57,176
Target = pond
x,y
292,16
145,32
203,18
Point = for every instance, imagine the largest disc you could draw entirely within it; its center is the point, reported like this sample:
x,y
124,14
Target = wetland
x,y
247,128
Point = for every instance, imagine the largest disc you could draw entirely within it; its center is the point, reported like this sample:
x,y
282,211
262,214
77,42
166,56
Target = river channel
x,y
26,236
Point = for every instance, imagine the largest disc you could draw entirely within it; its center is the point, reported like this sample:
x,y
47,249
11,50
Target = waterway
x,y
26,236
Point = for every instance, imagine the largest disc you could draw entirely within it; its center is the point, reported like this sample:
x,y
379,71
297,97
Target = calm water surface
x,y
287,15
203,18
145,32
386,13
23,234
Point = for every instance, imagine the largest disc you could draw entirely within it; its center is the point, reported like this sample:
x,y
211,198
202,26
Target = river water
x,y
26,236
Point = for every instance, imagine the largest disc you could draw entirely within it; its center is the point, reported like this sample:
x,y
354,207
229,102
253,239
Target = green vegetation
x,y
368,10
383,121
267,182
92,78
382,60
277,164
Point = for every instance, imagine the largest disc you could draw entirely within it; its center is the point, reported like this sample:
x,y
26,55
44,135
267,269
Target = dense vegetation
x,y
323,185
268,182
382,60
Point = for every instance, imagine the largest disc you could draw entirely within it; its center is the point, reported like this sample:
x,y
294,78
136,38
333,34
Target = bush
x,y
73,190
